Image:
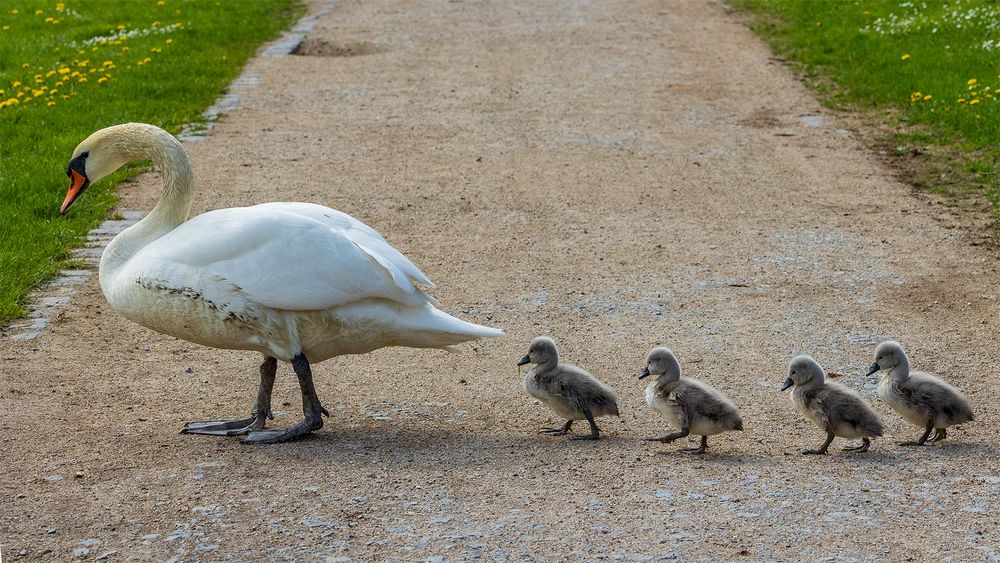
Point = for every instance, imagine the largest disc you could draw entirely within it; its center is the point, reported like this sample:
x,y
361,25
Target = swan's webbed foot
x,y
225,427
278,435
557,431
261,411
922,439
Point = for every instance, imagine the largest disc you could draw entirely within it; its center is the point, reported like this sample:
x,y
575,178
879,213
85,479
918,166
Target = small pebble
x,y
189,370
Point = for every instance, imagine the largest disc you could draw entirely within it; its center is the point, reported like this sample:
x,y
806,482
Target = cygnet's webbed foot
x,y
865,444
226,427
557,431
923,439
939,435
699,450
595,432
822,449
278,435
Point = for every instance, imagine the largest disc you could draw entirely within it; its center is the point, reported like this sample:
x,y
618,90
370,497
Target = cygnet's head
x,y
661,361
803,370
541,351
888,355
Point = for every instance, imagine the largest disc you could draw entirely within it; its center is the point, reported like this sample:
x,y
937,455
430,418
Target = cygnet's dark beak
x,y
644,373
524,360
788,383
874,368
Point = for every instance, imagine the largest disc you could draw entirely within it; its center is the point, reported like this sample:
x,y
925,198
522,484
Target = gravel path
x,y
616,176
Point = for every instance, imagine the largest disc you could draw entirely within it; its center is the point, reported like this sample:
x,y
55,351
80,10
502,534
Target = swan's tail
x,y
416,327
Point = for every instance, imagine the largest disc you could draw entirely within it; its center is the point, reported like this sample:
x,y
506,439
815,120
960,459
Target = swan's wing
x,y
282,258
403,271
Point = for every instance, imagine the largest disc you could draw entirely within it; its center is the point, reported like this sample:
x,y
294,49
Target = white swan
x,y
297,282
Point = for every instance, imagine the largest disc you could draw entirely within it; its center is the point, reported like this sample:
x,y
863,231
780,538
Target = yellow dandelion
x,y
972,82
20,94
6,27
905,57
960,100
93,49
13,102
107,63
92,71
49,19
39,12
24,65
53,92
50,104
973,101
15,84
125,49
82,79
1,92
102,80
58,84
169,41
49,73
74,74
3,103
146,60
160,3
14,12
63,70
60,6
65,97
120,26
36,93
81,51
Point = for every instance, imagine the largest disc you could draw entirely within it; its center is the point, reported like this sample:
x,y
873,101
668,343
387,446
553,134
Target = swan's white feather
x,y
281,258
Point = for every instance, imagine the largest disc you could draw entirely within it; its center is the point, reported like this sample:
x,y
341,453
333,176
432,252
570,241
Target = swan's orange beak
x,y
77,183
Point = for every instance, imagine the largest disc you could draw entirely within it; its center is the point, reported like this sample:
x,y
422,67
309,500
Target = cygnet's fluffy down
x,y
921,398
690,405
835,409
569,391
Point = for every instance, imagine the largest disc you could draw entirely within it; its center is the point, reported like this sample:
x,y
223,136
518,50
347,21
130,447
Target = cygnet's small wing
x,y
937,397
584,391
839,404
708,403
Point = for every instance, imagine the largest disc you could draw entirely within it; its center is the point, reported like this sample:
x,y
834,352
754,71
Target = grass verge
x,y
70,68
927,71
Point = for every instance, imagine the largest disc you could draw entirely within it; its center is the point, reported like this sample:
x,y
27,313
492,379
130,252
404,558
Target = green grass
x,y
180,59
930,70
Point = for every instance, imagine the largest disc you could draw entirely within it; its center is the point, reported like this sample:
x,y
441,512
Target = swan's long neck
x,y
901,371
142,142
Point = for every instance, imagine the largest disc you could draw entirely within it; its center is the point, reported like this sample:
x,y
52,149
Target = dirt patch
x,y
312,47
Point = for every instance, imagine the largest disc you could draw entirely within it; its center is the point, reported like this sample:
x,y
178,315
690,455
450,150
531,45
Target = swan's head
x,y
804,370
660,362
888,355
98,155
541,351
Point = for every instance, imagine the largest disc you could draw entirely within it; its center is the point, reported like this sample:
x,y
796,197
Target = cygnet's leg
x,y
557,431
920,442
865,444
822,449
311,408
939,434
667,438
595,432
699,450
261,410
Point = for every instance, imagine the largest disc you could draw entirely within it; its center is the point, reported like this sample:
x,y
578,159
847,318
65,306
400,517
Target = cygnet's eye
x,y
793,372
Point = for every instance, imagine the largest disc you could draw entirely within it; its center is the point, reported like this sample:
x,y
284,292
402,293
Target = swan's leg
x,y
557,431
920,442
822,449
311,408
699,450
595,432
939,434
865,444
261,410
